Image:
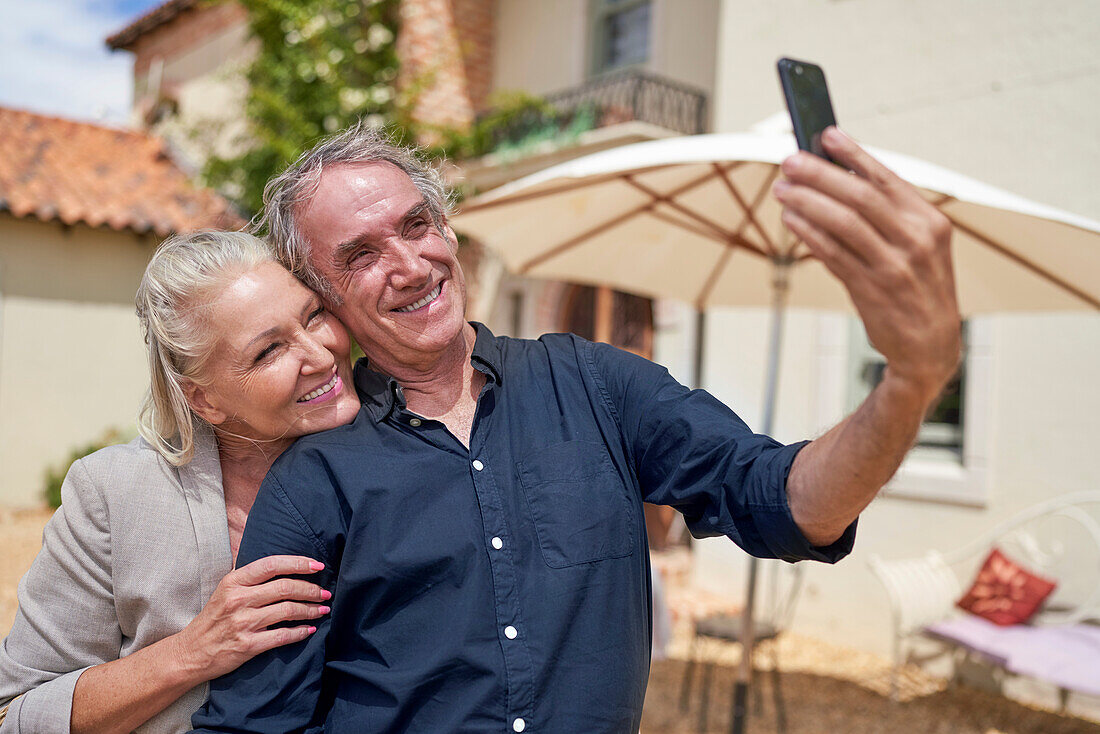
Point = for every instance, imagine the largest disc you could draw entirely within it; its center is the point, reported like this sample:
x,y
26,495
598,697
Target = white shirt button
x,y
478,465
414,422
519,725
511,632
498,543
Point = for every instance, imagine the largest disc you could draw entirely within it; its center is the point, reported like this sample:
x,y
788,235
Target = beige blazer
x,y
132,556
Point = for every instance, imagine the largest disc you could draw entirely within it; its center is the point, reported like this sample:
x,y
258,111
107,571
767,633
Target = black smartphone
x,y
808,102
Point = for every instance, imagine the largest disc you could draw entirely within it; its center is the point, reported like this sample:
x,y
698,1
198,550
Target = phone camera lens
x,y
798,69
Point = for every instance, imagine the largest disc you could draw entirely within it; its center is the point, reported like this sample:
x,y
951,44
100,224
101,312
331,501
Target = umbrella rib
x,y
745,208
731,242
562,189
574,241
693,228
604,226
1021,260
712,279
669,200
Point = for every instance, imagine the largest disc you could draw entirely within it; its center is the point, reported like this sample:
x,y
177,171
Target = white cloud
x,y
53,58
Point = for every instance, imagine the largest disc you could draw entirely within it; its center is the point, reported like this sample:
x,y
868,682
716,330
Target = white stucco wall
x,y
685,42
543,47
1043,426
1003,91
72,362
1008,94
538,46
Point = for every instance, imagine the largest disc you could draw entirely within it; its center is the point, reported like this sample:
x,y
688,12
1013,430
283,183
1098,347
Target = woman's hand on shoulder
x,y
233,627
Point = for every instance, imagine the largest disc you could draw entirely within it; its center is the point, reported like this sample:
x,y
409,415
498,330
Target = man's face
x,y
372,237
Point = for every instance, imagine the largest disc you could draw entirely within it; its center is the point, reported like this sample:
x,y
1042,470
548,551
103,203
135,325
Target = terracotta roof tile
x,y
158,16
79,173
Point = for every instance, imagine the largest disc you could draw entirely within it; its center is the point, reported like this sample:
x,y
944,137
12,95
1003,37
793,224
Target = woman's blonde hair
x,y
183,278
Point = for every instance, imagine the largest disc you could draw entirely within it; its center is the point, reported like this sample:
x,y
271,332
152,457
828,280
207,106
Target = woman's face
x,y
280,367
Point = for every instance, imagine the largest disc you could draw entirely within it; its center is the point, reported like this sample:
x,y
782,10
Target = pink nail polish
x,y
323,610
326,594
312,630
316,565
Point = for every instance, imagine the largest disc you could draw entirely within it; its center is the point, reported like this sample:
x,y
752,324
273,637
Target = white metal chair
x,y
1058,538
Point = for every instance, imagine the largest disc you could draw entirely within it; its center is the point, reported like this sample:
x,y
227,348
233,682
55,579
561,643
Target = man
x,y
481,520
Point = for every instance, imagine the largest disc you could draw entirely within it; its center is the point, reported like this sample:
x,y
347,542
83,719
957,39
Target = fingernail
x,y
835,133
312,630
779,188
323,610
316,565
326,594
791,164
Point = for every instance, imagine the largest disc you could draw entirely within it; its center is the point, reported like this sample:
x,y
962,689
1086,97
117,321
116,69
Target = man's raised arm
x,y
891,249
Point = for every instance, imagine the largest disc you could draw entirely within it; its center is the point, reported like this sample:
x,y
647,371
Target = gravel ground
x,y
20,539
822,704
826,689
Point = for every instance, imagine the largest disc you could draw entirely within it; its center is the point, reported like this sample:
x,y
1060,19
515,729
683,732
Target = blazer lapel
x,y
202,485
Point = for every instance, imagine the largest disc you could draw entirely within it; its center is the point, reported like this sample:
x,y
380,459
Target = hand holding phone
x,y
888,245
808,102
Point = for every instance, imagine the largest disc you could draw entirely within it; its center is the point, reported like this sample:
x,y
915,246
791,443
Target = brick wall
x,y
445,47
446,52
184,32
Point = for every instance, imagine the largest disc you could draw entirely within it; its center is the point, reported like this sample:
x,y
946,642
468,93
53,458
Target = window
x,y
950,461
620,33
941,434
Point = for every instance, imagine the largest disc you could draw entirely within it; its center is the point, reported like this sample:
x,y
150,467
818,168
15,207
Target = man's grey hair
x,y
285,194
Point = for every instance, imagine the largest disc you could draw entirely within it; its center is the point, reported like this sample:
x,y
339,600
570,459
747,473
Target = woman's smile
x,y
325,392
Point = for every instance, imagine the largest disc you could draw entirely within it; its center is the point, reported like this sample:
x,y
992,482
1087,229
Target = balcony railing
x,y
610,100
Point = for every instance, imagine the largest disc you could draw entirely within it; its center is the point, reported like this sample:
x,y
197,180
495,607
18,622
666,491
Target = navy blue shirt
x,y
505,587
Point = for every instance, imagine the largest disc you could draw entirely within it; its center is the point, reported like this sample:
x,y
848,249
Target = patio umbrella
x,y
693,219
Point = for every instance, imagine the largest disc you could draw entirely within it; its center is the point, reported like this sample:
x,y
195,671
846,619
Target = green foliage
x,y
507,109
55,475
321,65
515,124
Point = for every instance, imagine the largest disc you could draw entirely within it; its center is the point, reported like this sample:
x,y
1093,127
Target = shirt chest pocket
x,y
580,508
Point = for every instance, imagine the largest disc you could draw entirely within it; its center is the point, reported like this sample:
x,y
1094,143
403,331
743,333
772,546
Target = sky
x,y
53,58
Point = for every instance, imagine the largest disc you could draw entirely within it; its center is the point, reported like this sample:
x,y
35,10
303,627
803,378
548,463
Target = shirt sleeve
x,y
66,621
690,451
277,691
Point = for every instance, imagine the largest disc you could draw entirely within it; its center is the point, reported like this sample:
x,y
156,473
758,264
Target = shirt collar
x,y
486,356
381,394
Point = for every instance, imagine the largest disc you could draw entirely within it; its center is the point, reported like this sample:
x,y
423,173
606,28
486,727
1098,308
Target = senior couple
x,y
450,537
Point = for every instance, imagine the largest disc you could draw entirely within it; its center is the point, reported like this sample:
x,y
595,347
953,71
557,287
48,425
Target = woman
x,y
131,606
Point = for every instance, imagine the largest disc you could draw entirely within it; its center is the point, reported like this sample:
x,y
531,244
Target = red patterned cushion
x,y
1004,593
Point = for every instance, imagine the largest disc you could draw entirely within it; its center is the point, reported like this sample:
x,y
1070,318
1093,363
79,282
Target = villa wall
x,y
72,362
197,59
1009,95
544,47
446,47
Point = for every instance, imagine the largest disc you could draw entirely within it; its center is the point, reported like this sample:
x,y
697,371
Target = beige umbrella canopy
x,y
693,218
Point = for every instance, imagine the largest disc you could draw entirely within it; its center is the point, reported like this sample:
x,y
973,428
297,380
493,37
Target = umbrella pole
x,y
780,287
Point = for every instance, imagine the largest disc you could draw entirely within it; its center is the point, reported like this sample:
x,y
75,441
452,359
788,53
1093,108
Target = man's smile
x,y
415,305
